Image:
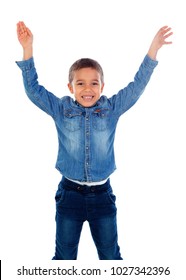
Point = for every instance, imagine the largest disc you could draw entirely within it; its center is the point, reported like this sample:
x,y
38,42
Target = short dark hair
x,y
85,63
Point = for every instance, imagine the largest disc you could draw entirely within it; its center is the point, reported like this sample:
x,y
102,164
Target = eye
x,y
80,83
95,83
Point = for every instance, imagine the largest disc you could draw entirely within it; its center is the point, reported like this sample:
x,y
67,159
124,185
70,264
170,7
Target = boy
x,y
86,129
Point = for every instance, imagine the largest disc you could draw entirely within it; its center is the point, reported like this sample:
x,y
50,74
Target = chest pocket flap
x,y
72,119
101,118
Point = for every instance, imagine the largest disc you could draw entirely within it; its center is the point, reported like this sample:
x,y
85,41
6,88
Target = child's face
x,y
86,86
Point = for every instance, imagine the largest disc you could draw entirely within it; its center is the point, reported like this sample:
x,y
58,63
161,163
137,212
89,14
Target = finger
x,y
168,35
167,30
18,29
167,43
164,27
29,32
18,26
22,27
164,30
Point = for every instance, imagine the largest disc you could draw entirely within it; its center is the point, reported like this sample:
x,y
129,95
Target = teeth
x,y
87,97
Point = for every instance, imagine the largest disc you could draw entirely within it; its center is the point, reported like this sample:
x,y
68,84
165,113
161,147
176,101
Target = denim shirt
x,y
85,135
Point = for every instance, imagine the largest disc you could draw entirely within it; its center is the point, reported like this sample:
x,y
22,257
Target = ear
x,y
70,88
102,87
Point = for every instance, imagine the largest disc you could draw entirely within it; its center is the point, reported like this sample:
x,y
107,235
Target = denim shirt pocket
x,y
101,119
72,119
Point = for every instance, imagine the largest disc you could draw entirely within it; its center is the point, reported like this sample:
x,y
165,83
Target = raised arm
x,y
159,40
41,97
128,96
25,38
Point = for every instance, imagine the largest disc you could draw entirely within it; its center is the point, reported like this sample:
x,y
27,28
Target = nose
x,y
87,87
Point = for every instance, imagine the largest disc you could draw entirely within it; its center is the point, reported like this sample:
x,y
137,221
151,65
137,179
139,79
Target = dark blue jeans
x,y
76,204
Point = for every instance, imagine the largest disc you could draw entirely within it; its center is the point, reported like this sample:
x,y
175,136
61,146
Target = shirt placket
x,y
87,146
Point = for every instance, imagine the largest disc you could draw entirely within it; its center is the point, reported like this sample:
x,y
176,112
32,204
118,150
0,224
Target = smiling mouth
x,y
87,97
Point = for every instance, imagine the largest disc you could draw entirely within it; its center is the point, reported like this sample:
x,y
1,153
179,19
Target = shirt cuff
x,y
26,64
149,62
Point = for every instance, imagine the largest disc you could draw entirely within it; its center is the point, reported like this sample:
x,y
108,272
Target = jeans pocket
x,y
111,196
60,194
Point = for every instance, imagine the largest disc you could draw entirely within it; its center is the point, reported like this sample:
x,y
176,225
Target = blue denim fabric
x,y
86,135
76,204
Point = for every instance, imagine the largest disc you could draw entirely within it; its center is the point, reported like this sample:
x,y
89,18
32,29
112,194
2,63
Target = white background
x,y
150,143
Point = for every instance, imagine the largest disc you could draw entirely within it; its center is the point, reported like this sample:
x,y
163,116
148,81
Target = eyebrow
x,y
94,80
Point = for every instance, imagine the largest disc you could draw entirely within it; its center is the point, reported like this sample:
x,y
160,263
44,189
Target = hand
x,y
25,38
159,40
